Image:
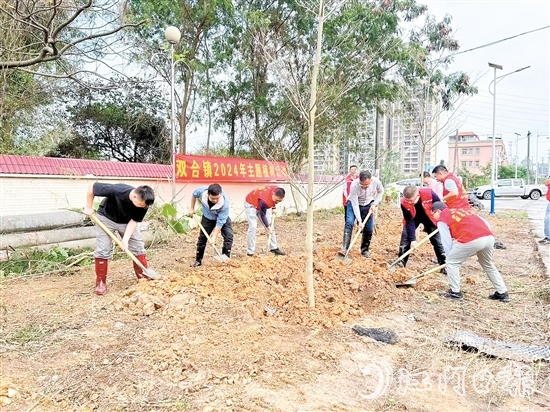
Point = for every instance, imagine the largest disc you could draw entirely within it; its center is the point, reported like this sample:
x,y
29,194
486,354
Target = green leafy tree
x,y
121,125
195,20
508,172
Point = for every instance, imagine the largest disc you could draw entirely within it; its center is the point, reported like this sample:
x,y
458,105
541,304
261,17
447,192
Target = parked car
x,y
401,184
511,187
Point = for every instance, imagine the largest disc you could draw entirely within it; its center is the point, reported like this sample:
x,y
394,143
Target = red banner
x,y
228,169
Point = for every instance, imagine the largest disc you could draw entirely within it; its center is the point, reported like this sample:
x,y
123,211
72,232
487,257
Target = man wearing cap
x,y
454,194
474,236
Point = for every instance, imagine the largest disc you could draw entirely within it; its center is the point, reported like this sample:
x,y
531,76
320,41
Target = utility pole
x,y
517,155
528,154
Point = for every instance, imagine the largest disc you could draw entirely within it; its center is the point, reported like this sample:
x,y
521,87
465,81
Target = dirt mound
x,y
275,285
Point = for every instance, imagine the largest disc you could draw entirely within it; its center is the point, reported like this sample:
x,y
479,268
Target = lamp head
x,y
172,35
496,66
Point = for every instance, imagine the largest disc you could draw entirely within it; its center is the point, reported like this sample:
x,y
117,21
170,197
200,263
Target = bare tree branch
x,y
53,23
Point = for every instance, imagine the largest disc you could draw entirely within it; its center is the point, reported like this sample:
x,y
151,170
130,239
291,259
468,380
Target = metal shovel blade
x,y
151,274
221,258
409,282
343,258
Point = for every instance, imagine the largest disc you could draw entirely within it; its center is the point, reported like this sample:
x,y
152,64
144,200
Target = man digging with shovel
x,y
473,237
416,207
365,195
122,208
215,220
257,204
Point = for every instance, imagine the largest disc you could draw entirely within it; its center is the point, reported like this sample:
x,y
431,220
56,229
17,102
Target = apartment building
x,y
400,133
467,151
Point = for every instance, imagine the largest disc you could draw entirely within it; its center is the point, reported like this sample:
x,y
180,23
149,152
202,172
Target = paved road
x,y
535,211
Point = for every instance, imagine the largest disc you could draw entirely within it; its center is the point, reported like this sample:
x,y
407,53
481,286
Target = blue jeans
x,y
547,222
369,225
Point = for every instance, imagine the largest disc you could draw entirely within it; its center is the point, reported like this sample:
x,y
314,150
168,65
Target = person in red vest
x,y
473,236
121,209
416,207
454,194
350,177
261,203
546,239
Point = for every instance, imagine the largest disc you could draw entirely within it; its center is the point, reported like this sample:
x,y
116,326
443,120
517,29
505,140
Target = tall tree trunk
x,y
310,147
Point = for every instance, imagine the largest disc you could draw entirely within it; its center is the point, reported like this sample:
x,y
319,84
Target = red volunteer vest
x,y
265,193
426,199
349,178
464,225
461,200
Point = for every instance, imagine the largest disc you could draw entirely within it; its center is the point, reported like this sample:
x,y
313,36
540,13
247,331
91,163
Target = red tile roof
x,y
36,165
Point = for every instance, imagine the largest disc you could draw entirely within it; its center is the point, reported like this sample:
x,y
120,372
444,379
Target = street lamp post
x,y
493,147
517,137
172,36
493,160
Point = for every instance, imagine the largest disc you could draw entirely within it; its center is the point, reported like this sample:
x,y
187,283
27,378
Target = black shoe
x,y
544,241
452,295
503,297
277,252
250,254
196,264
366,254
443,271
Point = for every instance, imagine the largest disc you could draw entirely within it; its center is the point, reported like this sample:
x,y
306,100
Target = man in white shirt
x,y
365,195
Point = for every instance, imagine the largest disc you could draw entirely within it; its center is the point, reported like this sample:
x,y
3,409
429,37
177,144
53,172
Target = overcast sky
x,y
522,99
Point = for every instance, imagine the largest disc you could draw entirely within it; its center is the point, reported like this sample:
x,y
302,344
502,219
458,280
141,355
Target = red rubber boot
x,y
137,270
101,266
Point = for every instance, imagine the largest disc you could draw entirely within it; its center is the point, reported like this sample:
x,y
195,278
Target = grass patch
x,y
34,261
516,214
543,294
28,334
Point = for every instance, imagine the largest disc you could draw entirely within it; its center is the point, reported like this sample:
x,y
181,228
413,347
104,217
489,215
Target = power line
x,y
511,95
500,41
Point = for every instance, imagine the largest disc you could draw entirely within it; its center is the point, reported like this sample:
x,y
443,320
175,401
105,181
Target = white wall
x,y
21,195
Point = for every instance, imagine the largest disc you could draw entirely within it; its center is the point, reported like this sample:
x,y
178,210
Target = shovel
x,y
412,281
219,257
345,257
270,232
150,273
391,267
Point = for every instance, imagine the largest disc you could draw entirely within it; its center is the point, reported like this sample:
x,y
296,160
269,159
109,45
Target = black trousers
x,y
435,240
227,234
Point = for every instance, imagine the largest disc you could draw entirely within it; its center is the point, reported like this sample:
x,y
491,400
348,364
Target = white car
x,y
511,187
401,184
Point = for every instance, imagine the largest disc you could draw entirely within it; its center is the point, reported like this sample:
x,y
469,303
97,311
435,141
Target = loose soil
x,y
240,335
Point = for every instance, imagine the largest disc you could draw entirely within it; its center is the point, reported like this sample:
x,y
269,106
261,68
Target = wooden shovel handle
x,y
432,270
98,222
408,252
207,235
357,234
271,230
